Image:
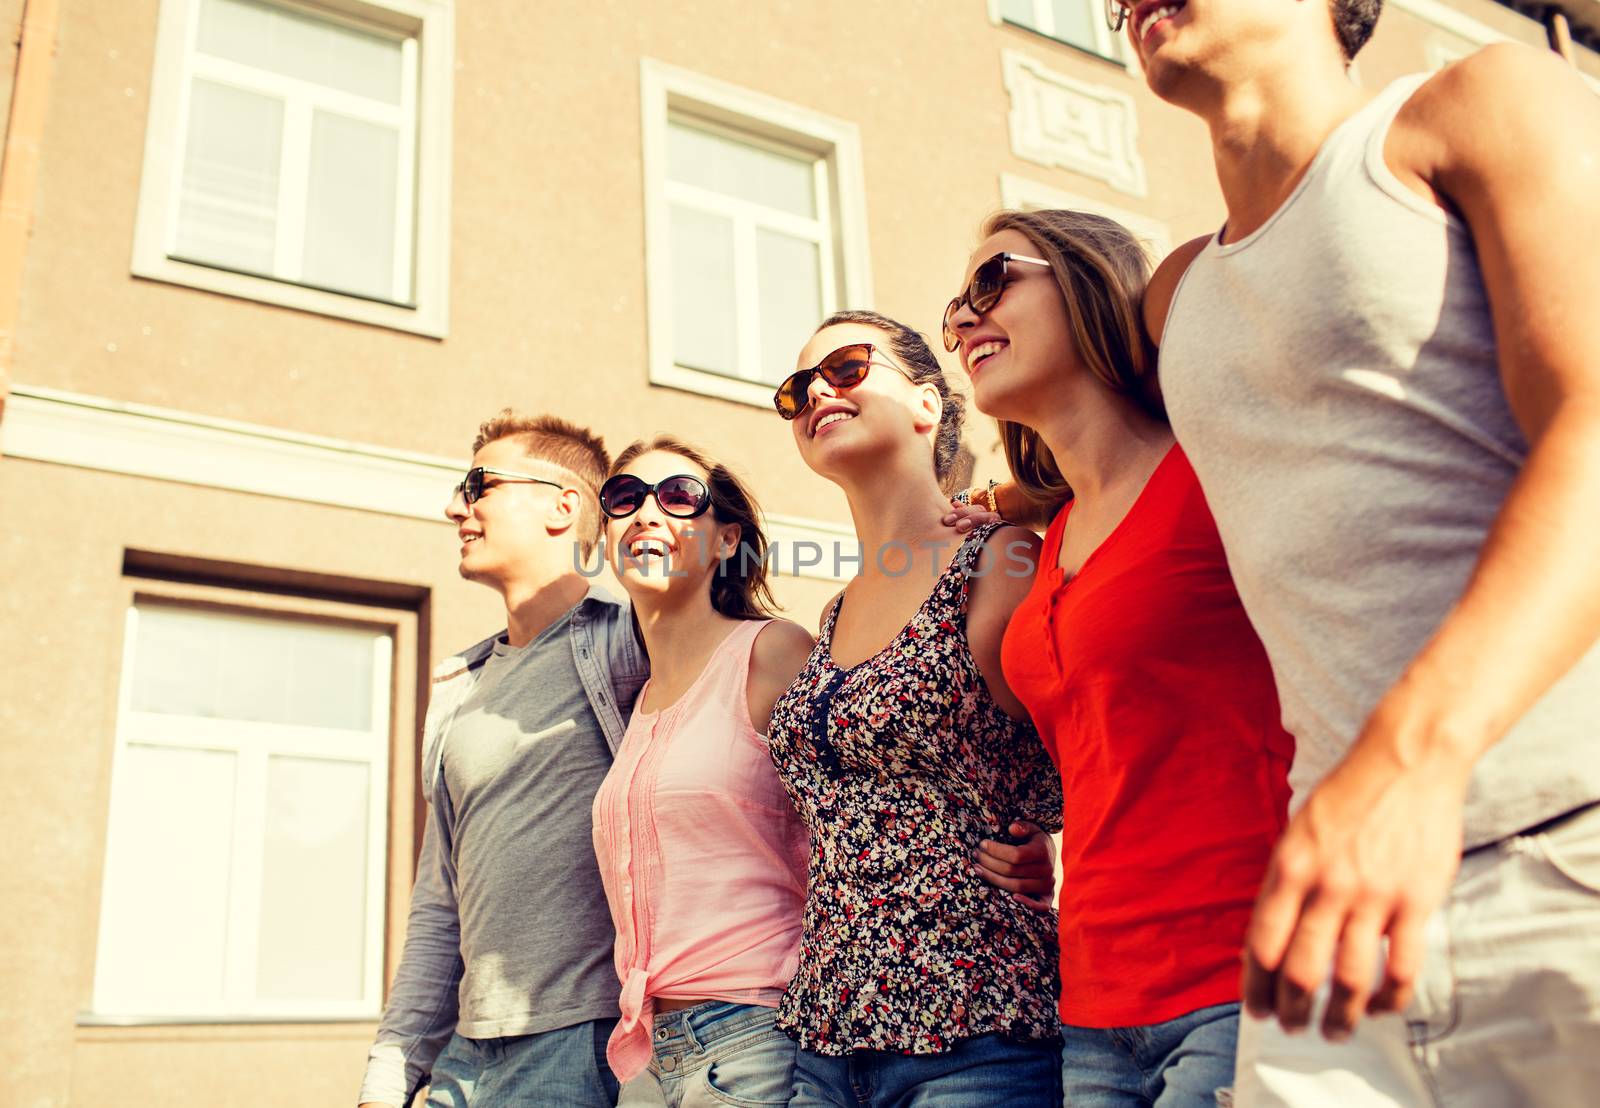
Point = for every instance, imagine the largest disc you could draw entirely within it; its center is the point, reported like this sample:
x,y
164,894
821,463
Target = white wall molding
x,y
1458,23
1064,123
1029,195
138,440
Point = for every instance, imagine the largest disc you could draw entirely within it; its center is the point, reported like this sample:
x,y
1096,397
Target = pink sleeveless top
x,y
702,855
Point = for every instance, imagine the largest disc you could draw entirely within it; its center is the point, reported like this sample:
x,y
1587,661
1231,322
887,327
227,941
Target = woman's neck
x,y
1101,441
896,509
680,630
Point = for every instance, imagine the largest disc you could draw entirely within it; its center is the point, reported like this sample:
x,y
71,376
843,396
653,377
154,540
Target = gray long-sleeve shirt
x,y
596,644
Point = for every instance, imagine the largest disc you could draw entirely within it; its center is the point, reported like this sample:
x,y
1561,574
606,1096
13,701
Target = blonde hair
x,y
1101,269
577,450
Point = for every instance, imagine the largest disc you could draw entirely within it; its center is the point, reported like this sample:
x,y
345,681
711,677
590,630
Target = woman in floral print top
x,y
903,749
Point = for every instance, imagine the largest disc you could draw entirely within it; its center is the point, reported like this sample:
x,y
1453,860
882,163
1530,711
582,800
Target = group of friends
x,y
1304,669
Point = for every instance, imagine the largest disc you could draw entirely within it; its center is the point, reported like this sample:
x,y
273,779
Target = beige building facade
x,y
266,264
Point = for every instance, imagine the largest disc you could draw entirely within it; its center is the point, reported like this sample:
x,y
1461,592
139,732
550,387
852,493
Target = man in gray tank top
x,y
505,993
1385,369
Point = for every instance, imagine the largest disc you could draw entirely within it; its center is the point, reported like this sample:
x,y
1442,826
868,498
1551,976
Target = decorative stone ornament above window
x,y
1065,123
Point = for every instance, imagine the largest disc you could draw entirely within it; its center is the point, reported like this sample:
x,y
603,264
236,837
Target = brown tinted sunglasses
x,y
845,368
983,292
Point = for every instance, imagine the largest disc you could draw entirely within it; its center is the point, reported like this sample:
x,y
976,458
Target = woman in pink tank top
x,y
701,853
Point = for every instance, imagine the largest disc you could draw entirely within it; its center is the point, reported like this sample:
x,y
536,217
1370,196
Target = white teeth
x,y
982,351
645,548
832,417
1156,16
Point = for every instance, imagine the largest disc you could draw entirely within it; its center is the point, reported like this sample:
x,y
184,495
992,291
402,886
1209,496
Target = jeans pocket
x,y
1574,851
756,1072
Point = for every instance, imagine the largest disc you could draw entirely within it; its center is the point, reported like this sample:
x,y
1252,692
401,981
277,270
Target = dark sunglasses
x,y
681,496
1116,15
845,368
983,292
471,486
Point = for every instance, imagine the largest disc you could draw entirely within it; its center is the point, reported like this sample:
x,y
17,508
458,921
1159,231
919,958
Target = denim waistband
x,y
697,1029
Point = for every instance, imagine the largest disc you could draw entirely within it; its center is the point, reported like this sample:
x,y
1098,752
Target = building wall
x,y
548,300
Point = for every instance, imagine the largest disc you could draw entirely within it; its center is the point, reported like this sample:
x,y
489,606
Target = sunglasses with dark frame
x,y
471,487
1116,15
983,292
682,496
844,368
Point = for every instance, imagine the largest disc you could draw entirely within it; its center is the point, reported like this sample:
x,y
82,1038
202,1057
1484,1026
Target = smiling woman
x,y
909,758
702,856
1135,659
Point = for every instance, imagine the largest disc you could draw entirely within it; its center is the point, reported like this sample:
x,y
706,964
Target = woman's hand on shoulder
x,y
779,654
1001,581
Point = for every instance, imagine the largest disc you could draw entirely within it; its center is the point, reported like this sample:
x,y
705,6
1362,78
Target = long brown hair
x,y
739,588
1101,269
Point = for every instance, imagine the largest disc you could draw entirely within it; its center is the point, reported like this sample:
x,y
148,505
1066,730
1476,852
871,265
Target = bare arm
x,y
1509,139
779,654
1163,285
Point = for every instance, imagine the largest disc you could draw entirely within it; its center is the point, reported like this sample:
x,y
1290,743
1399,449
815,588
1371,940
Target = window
x,y
286,160
1079,23
247,838
754,232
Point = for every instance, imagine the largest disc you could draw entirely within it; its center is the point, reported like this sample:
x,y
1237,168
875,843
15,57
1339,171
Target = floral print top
x,y
899,766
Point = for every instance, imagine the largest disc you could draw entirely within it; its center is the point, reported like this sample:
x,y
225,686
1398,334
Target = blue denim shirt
x,y
421,1013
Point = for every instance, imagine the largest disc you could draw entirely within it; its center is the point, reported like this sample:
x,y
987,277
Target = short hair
x,y
918,358
739,588
1353,21
575,449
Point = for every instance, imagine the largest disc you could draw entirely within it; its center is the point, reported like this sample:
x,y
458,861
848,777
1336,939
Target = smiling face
x,y
843,429
506,533
654,553
1019,349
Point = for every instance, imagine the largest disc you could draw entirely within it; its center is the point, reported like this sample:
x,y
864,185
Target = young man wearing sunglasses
x,y
505,993
1386,371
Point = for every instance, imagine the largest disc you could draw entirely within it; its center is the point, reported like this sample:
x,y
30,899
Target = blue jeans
x,y
714,1054
566,1067
983,1072
1178,1064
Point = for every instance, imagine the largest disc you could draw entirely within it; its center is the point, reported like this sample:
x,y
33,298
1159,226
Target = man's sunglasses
x,y
982,292
1116,15
682,496
845,368
471,487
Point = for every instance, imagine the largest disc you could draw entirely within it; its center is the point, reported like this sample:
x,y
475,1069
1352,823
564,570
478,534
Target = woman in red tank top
x,y
1135,659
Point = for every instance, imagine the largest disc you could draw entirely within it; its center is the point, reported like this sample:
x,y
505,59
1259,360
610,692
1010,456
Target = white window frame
x,y
423,192
669,93
1108,46
1025,194
253,744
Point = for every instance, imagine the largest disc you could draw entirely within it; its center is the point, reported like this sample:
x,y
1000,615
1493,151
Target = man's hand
x,y
1027,870
1370,855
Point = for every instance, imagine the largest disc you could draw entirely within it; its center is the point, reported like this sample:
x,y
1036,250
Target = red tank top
x,y
1153,695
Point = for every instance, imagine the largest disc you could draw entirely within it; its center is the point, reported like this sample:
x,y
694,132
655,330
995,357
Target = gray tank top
x,y
1333,379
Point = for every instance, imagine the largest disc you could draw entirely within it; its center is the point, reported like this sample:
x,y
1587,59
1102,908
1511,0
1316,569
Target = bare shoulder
x,y
1500,107
1163,285
781,650
779,654
1004,572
